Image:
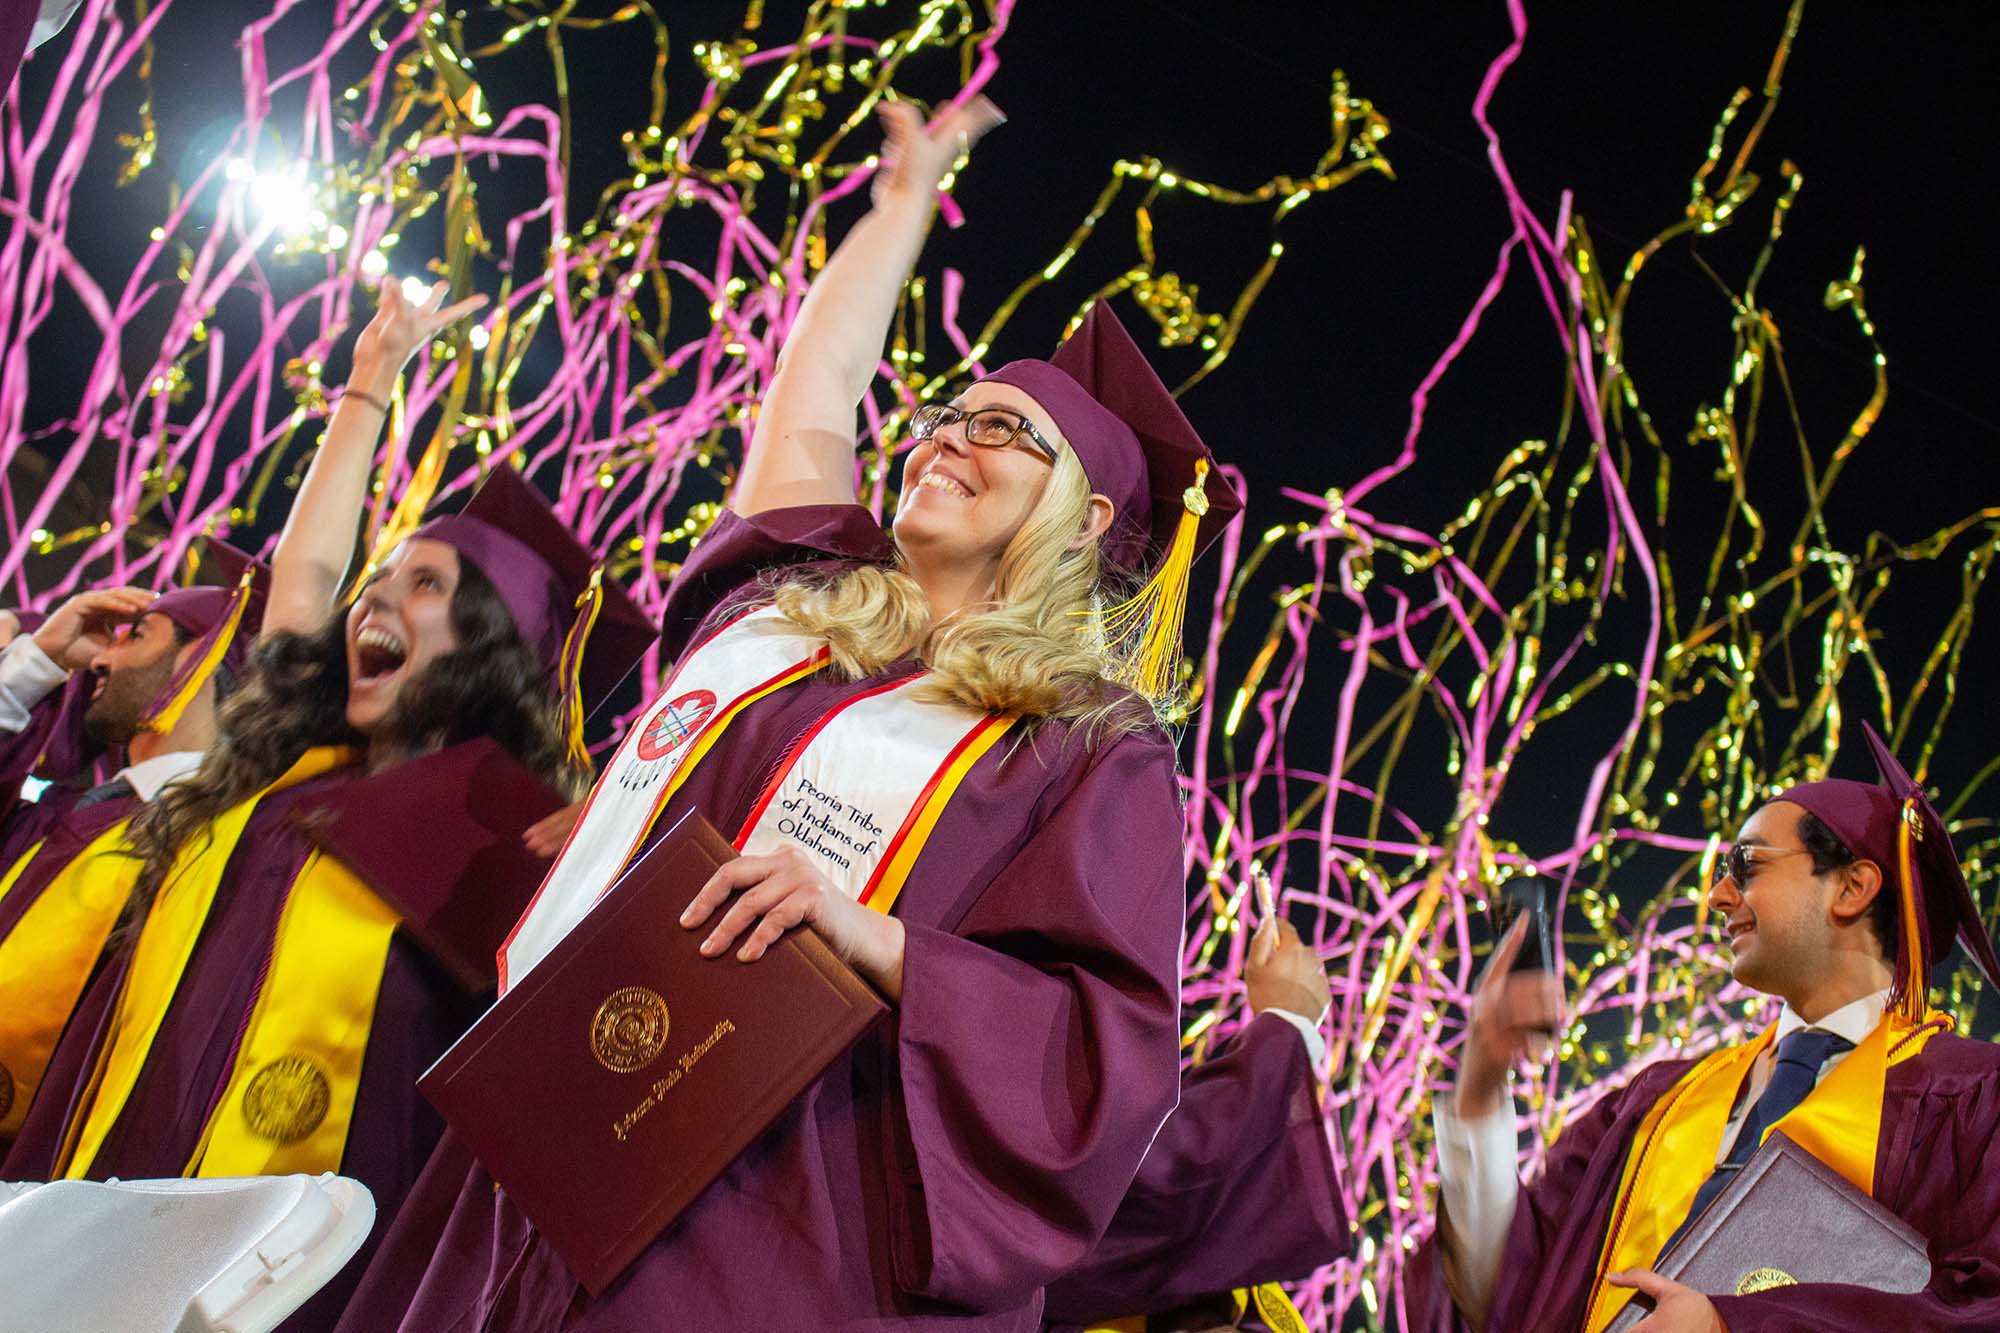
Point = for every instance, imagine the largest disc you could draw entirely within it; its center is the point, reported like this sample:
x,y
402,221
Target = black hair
x,y
1829,853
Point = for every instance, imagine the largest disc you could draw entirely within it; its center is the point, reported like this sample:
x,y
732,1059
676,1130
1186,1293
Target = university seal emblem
x,y
286,1099
629,1030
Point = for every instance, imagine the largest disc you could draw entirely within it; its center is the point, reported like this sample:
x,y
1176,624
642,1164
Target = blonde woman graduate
x,y
931,749
268,1013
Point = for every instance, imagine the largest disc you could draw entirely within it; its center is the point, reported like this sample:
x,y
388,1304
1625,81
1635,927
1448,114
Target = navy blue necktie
x,y
1796,1074
107,791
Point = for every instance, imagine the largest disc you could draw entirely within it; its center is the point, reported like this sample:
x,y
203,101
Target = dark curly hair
x,y
294,697
1829,853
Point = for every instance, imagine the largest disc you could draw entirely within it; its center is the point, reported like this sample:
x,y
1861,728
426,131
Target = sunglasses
x,y
1737,865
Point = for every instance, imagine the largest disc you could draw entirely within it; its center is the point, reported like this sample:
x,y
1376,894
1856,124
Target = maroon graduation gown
x,y
1240,1188
1933,1168
962,1154
419,1012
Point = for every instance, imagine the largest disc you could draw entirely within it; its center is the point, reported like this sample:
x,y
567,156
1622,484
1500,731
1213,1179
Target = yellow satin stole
x,y
1675,1147
45,961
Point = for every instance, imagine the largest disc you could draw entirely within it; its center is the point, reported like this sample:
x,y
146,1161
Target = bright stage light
x,y
374,264
416,290
282,199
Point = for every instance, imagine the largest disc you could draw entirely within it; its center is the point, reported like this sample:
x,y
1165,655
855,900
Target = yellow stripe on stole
x,y
881,895
45,961
290,1098
166,942
1674,1150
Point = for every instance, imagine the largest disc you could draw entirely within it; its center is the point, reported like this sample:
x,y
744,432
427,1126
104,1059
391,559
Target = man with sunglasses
x,y
1837,898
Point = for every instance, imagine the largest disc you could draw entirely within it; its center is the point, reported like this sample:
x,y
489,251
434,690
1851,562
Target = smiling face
x,y
130,674
1778,924
400,624
960,506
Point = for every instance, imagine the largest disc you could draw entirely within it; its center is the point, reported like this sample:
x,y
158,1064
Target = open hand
x,y
1676,1309
916,156
399,328
783,890
1511,1012
85,625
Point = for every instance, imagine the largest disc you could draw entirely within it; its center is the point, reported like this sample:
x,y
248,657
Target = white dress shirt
x,y
27,677
1478,1177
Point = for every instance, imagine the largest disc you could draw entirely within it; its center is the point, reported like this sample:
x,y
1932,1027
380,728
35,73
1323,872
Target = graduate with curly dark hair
x,y
269,1013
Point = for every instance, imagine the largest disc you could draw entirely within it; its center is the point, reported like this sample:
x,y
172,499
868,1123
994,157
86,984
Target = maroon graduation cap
x,y
1140,452
439,838
1893,823
224,619
556,592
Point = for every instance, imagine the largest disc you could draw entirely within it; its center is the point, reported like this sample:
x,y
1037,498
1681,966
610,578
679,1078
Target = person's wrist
x,y
373,376
1478,1094
51,648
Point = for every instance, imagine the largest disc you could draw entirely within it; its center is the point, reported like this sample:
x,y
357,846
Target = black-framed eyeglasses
x,y
985,427
1737,865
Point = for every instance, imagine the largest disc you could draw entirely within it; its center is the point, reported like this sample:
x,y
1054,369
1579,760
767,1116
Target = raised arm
x,y
803,449
317,544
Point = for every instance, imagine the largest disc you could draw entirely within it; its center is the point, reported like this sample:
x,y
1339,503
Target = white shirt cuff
x,y
1315,1043
27,677
1478,1182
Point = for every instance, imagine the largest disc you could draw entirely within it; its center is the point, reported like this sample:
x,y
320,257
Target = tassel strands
x,y
1150,621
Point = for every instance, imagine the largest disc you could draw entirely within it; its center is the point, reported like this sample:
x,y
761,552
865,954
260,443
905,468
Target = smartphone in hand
x,y
1530,897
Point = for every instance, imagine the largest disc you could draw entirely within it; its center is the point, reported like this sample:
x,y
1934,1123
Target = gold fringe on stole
x,y
45,961
569,668
166,942
165,714
290,1098
1143,633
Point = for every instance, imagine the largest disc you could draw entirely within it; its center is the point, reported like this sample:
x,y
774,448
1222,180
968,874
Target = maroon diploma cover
x,y
438,838
1789,1218
616,1080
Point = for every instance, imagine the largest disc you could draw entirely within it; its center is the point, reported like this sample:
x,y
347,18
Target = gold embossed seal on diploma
x,y
545,1088
629,1029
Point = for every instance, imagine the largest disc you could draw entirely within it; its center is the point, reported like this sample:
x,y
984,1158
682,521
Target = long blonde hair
x,y
1035,649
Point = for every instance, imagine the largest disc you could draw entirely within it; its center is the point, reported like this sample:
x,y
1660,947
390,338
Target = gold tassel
x,y
1914,1001
165,714
1150,621
569,668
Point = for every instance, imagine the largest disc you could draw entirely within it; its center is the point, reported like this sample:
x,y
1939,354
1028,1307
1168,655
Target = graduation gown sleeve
x,y
1559,1221
1239,1188
1037,1046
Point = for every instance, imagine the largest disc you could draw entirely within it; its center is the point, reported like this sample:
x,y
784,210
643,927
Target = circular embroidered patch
x,y
677,721
286,1099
